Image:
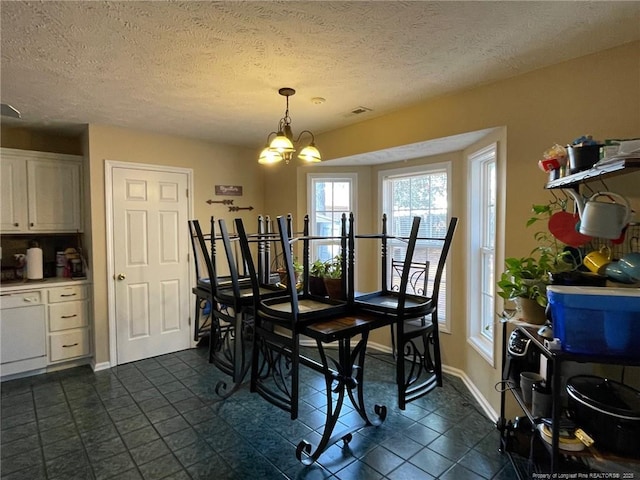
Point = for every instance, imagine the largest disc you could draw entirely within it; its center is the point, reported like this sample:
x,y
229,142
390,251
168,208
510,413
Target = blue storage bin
x,y
596,321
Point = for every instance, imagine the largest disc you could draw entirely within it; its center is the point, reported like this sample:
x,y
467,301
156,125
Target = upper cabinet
x,y
41,192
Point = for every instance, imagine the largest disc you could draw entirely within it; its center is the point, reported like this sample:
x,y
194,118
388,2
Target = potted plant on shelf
x,y
525,279
317,272
333,278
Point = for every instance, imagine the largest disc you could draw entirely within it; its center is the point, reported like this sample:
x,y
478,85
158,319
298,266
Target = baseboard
x,y
456,372
100,366
484,404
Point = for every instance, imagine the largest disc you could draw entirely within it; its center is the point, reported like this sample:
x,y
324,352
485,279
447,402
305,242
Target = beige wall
x,y
211,165
597,95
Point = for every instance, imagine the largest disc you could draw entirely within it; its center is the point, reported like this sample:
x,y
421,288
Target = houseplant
x,y
525,279
317,272
297,270
333,278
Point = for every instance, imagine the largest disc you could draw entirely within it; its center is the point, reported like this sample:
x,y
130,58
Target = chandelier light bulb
x,y
268,156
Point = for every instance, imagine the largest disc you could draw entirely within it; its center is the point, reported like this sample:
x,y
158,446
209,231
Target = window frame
x,y
352,178
477,248
444,321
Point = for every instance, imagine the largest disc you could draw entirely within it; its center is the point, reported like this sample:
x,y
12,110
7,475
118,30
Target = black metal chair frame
x,y
202,289
418,357
233,308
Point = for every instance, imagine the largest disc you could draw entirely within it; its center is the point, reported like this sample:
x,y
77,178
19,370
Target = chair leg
x,y
400,367
437,361
196,323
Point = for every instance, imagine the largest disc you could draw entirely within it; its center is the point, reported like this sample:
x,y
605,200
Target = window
x,y
422,192
330,196
481,260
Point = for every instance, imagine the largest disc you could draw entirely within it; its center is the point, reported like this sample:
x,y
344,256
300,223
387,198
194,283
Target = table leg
x,y
347,378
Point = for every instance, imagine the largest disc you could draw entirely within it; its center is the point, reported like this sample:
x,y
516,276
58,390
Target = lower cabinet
x,y
68,326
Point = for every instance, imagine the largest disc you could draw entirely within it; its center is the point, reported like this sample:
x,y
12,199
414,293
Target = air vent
x,y
359,110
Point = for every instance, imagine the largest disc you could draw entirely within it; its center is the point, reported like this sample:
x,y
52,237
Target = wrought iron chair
x,y
418,360
419,363
234,306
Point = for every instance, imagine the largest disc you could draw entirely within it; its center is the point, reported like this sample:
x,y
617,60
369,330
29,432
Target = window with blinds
x,y
422,192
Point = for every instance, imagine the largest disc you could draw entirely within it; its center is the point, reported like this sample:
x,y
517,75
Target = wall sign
x,y
231,190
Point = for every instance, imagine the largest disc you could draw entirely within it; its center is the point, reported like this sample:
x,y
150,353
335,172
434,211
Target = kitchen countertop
x,y
17,286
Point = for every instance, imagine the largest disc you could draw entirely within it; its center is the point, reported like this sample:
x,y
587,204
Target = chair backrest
x,y
446,246
205,270
406,267
287,256
231,259
418,276
243,239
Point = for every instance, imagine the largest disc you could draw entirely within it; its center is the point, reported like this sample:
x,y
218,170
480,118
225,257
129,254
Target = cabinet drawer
x,y
66,294
66,315
71,344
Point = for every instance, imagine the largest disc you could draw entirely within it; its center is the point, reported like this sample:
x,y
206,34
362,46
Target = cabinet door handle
x,y
72,345
69,316
32,224
16,224
68,295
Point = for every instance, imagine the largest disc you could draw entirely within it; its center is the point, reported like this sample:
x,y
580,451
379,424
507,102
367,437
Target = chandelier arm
x,y
313,139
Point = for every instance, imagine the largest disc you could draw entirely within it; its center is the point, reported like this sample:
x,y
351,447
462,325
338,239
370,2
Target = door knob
x,y
121,276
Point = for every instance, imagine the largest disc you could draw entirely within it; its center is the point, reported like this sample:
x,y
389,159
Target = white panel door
x,y
150,242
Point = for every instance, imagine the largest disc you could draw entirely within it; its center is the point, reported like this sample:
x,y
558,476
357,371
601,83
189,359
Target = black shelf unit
x,y
546,458
601,170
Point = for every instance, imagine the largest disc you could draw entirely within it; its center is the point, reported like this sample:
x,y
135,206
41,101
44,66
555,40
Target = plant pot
x,y
334,288
316,286
531,311
283,276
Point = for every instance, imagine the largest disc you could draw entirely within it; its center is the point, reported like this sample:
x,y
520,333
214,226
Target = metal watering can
x,y
602,219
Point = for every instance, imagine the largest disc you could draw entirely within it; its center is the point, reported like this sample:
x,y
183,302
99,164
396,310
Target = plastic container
x,y
596,321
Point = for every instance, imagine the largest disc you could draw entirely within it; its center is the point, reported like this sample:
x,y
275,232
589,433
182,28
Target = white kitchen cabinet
x,y
68,326
41,192
13,194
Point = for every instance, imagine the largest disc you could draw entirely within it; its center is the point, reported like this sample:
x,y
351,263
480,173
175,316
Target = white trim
x,y
100,366
427,168
109,166
477,395
479,342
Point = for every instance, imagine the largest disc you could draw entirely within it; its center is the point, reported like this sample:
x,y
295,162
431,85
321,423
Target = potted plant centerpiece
x,y
525,279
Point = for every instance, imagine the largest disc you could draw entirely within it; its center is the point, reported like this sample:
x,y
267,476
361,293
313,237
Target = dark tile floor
x,y
161,418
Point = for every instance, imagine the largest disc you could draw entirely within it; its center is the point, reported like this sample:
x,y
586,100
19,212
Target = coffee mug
x,y
597,260
630,264
541,401
614,271
527,379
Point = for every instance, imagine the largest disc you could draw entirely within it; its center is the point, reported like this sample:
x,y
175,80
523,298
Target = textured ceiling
x,y
211,70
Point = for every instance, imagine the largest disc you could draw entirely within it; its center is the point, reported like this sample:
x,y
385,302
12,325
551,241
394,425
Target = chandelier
x,y
282,146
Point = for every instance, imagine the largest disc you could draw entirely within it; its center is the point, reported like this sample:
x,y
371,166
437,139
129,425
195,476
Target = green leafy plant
x,y
528,277
318,269
334,267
